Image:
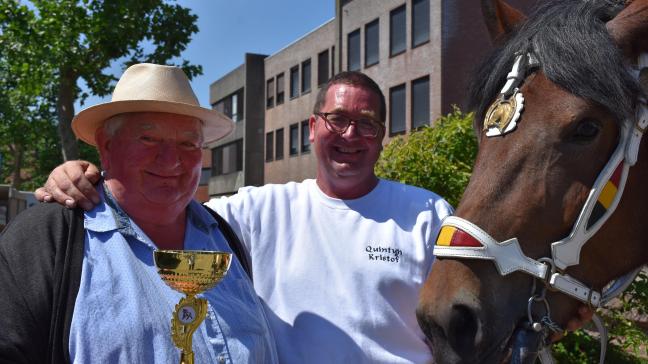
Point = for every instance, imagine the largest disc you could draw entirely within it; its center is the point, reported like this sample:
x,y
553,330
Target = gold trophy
x,y
190,272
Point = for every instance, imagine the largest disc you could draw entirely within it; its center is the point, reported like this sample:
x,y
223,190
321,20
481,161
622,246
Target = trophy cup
x,y
190,272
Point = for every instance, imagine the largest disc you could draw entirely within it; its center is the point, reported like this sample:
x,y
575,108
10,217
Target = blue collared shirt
x,y
123,309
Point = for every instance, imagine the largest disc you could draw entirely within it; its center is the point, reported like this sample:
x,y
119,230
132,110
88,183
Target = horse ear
x,y
501,18
629,29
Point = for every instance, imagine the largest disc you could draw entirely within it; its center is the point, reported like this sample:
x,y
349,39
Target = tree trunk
x,y
65,112
16,179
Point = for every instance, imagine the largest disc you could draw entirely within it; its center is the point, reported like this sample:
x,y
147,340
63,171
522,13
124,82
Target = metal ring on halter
x,y
536,325
551,271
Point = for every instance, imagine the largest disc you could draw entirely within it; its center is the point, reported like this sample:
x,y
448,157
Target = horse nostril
x,y
462,329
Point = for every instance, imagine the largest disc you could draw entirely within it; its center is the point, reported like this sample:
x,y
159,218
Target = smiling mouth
x,y
345,150
161,176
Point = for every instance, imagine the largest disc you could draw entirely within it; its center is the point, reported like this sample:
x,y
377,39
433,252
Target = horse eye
x,y
586,130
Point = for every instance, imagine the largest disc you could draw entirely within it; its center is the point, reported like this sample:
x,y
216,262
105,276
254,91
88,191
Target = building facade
x,y
420,52
237,160
293,78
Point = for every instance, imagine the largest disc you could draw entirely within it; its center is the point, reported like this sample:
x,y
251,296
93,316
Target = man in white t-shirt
x,y
339,260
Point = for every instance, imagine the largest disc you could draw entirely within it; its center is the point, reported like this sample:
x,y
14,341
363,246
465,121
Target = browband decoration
x,y
502,116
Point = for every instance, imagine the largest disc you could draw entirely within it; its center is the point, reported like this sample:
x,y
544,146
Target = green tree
x,y
28,129
440,159
59,42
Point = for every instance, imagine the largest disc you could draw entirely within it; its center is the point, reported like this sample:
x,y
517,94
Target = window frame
x,y
401,9
367,42
306,79
270,92
294,82
217,158
304,146
413,16
415,82
269,146
293,149
279,144
392,90
349,53
323,74
280,76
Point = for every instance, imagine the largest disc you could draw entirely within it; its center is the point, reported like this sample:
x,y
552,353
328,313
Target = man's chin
x,y
345,169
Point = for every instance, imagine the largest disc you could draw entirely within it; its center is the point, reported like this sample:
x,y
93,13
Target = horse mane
x,y
575,51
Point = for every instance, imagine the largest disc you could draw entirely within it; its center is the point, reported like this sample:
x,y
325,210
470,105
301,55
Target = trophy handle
x,y
188,315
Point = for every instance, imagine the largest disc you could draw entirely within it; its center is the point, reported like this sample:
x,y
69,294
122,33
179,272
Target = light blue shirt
x,y
123,309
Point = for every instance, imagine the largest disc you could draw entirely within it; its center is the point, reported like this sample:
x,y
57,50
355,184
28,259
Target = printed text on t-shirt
x,y
384,254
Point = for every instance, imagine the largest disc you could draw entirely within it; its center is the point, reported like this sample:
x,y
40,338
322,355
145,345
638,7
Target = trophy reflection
x,y
190,272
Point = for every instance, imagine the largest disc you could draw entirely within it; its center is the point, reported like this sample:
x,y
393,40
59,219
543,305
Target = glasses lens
x,y
367,127
338,122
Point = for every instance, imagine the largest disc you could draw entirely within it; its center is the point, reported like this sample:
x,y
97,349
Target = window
x,y
397,31
294,139
371,43
280,88
353,51
270,93
294,82
306,76
332,61
421,102
322,67
397,109
228,158
305,134
420,22
231,105
279,144
268,146
205,174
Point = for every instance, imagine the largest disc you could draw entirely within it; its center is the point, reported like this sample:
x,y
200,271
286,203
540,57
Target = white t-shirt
x,y
340,278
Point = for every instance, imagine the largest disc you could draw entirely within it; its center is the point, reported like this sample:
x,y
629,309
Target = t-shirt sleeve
x,y
236,211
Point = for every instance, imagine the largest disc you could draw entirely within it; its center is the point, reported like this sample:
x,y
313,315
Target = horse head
x,y
554,209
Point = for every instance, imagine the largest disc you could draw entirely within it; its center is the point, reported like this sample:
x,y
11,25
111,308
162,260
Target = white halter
x,y
606,193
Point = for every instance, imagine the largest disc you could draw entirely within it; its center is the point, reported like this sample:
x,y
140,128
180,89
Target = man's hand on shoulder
x,y
71,184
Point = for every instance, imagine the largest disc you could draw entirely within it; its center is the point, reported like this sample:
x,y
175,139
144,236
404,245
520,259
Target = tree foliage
x,y
440,159
46,48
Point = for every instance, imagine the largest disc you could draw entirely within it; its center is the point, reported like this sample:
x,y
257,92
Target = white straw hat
x,y
147,87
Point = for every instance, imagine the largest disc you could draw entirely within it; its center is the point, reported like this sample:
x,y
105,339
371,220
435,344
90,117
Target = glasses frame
x,y
327,123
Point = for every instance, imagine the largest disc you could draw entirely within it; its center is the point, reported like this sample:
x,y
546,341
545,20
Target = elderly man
x,y
82,287
338,260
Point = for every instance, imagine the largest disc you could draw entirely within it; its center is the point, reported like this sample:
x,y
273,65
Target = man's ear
x,y
311,128
103,146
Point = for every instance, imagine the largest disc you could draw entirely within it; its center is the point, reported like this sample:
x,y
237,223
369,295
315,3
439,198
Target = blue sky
x,y
230,28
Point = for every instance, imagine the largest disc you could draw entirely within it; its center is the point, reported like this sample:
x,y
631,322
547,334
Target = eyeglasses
x,y
339,123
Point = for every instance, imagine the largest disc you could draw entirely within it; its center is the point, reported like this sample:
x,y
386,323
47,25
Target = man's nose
x,y
168,154
352,130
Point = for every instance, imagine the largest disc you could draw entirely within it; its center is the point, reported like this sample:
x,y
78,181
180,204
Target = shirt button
x,y
221,358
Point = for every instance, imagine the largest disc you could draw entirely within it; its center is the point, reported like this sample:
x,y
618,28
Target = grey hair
x,y
112,124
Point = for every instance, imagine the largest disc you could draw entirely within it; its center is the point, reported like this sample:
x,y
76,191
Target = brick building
x,y
420,52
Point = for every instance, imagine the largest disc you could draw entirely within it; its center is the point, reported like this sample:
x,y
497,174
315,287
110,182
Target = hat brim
x,y
85,123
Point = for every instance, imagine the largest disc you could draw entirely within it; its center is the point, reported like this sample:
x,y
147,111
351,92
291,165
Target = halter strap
x,y
459,238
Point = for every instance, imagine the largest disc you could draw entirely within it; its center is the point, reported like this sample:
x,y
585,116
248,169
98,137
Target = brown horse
x,y
554,209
